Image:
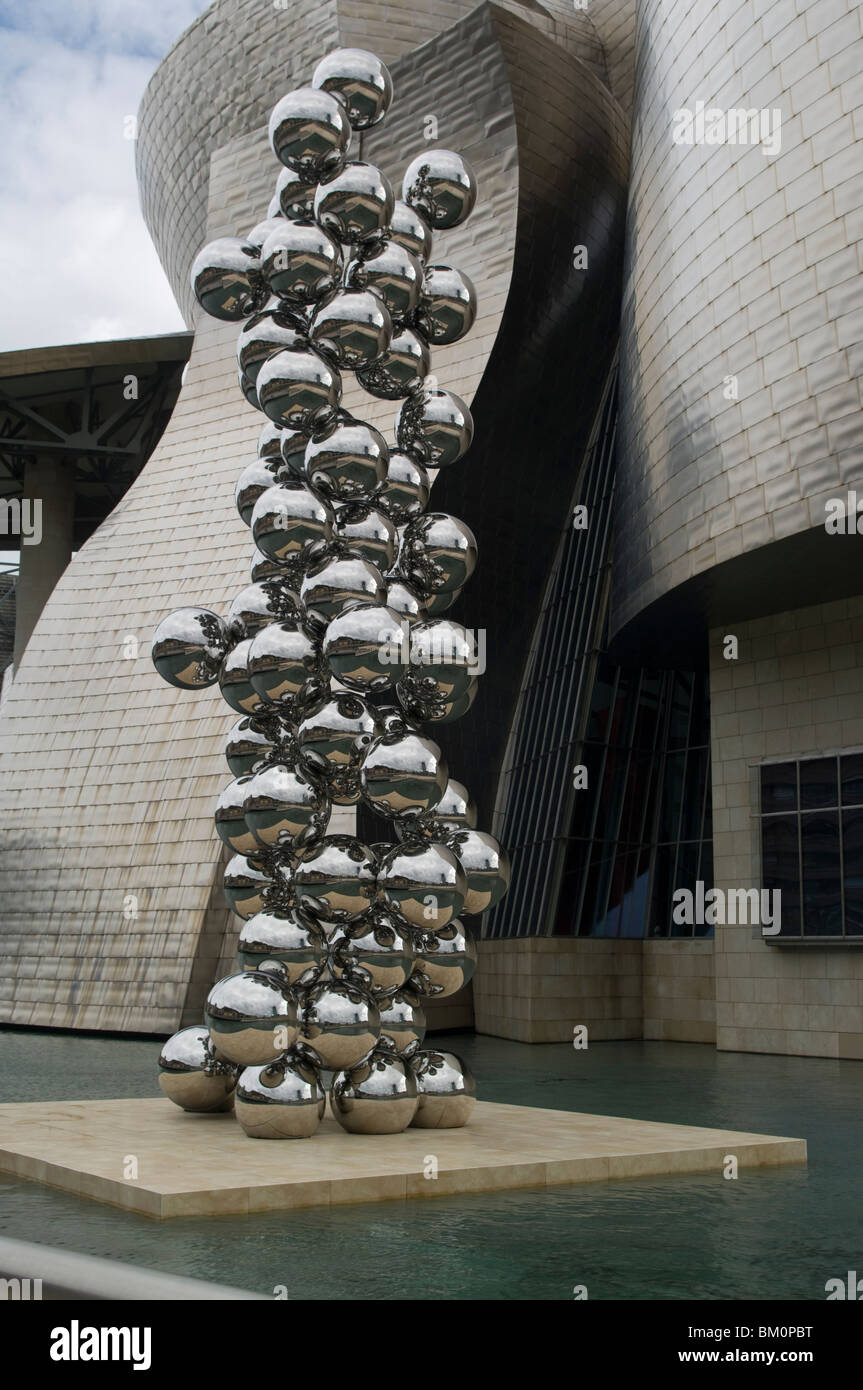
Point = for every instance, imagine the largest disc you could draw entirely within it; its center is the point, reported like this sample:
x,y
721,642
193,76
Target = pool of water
x,y
770,1234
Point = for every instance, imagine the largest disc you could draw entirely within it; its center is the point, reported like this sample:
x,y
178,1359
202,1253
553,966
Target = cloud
x,y
79,262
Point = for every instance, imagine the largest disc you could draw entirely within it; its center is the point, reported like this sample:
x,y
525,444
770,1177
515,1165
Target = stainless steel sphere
x,y
284,807
360,80
447,959
355,204
261,230
442,671
285,666
438,554
392,272
340,1022
347,462
456,810
404,600
448,305
403,774
365,648
351,329
252,1017
335,879
274,207
403,1017
404,493
333,736
369,532
288,520
309,132
410,229
263,334
183,1076
291,943
189,647
301,263
231,826
262,567
402,369
247,745
446,1090
270,442
235,682
378,1096
298,388
268,601
437,426
378,949
442,186
295,198
226,279
248,389
245,886
255,479
338,581
424,883
486,865
283,1100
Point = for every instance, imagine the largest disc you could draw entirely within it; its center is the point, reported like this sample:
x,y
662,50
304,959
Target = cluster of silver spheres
x,y
335,654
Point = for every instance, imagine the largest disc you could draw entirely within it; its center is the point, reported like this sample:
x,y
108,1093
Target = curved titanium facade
x,y
740,277
110,900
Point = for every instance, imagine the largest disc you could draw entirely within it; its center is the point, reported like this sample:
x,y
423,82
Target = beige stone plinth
x,y
203,1165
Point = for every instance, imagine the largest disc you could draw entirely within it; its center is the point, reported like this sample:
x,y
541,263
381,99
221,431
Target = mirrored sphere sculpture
x,y
335,653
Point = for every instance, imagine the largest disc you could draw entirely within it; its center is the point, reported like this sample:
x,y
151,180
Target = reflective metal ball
x,y
437,426
360,80
252,1017
401,370
235,681
283,1100
367,531
410,229
365,648
447,959
301,263
348,461
267,601
296,198
335,879
309,132
442,186
231,826
246,745
438,554
404,493
448,307
355,204
403,774
338,581
226,279
263,334
378,949
299,389
285,666
184,1078
424,883
486,865
446,1090
288,520
339,1021
377,1096
403,1017
255,478
284,807
351,329
292,943
189,646
245,886
392,272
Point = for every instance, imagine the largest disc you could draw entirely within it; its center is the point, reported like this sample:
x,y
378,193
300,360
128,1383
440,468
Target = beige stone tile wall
x,y
678,991
796,690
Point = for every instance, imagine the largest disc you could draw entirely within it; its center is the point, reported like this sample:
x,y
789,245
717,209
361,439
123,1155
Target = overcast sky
x,y
78,261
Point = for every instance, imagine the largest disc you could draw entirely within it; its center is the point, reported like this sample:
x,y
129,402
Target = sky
x,y
79,265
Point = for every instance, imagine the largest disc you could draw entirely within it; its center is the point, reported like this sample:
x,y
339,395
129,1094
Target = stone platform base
x,y
150,1157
